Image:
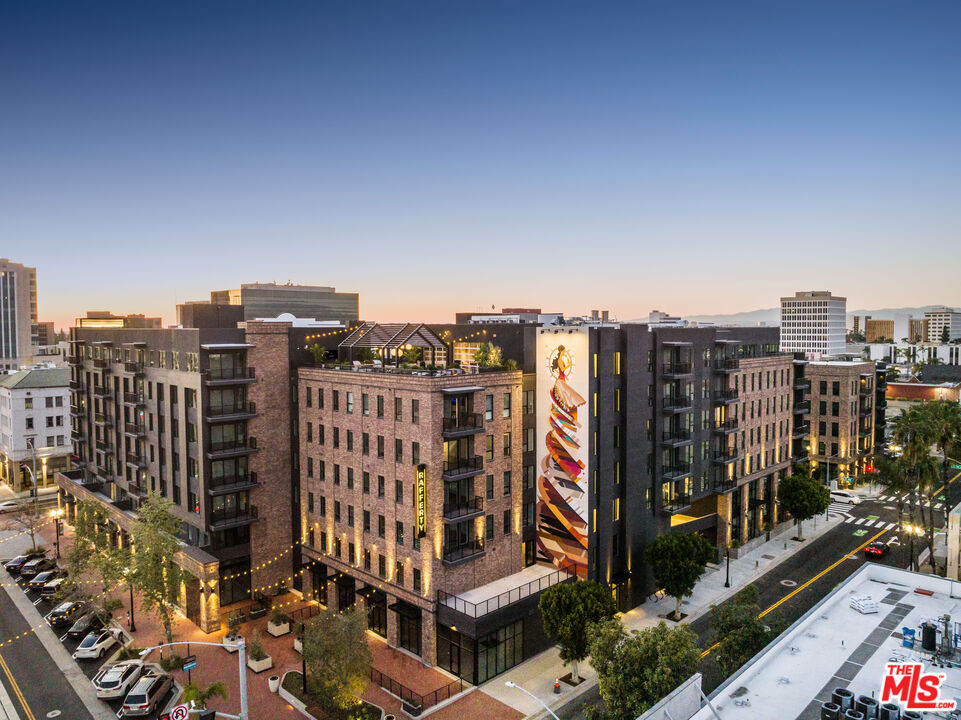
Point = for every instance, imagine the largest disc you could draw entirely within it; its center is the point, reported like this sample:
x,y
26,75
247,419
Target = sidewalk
x,y
537,674
7,493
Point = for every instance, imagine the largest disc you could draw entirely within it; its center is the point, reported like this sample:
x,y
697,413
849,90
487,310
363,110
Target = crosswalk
x,y
868,522
906,499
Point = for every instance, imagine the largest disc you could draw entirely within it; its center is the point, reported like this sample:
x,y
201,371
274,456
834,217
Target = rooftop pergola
x,y
389,342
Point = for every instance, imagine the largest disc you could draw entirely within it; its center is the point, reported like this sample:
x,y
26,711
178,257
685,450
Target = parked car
x,y
876,550
42,578
146,695
37,565
96,643
14,564
65,613
845,496
52,587
87,623
114,681
9,506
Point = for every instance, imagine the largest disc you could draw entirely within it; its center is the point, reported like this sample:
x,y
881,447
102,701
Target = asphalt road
x,y
794,586
38,687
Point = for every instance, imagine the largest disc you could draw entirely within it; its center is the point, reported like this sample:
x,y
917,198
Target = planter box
x,y
258,666
298,645
230,641
278,629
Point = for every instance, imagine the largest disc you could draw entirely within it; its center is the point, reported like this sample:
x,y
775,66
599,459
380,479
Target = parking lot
x,y
90,667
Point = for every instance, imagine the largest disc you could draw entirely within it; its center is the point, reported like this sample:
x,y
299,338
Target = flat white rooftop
x,y
500,593
834,645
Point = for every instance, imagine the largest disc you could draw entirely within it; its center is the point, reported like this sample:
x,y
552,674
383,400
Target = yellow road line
x,y
799,588
16,689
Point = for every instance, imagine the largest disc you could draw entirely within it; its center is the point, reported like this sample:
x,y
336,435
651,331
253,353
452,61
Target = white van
x,y
845,496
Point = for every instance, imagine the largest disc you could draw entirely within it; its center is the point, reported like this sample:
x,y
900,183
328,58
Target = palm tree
x,y
200,696
944,422
895,480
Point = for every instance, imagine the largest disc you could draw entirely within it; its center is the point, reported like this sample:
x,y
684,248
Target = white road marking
x,y
860,520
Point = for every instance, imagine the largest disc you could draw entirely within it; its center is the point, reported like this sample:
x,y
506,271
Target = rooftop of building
x,y
844,642
36,379
286,286
839,363
813,295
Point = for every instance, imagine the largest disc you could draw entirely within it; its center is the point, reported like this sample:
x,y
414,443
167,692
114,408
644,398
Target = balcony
x,y
463,553
727,427
231,448
132,398
881,403
676,503
78,435
725,396
232,412
865,390
462,467
101,364
676,437
233,484
677,369
802,383
803,406
100,418
75,409
229,376
463,424
102,391
103,446
464,508
136,460
865,411
133,368
134,429
75,385
227,518
801,430
724,482
727,364
676,471
137,491
723,457
678,403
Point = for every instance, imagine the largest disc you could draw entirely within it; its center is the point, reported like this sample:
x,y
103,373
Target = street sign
x,y
181,712
190,662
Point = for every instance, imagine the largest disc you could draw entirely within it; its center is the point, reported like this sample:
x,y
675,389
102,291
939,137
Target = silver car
x,y
113,681
146,695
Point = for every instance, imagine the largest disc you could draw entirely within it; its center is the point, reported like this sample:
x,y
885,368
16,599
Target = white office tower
x,y
813,323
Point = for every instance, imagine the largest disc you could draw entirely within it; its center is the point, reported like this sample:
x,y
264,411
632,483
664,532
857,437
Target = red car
x,y
876,550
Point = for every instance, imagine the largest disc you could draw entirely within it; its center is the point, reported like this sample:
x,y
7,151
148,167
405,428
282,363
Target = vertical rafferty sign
x,y
421,490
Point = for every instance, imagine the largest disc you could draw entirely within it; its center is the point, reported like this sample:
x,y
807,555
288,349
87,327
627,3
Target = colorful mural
x,y
562,501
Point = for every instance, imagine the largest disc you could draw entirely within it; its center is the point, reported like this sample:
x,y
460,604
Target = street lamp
x,y
913,530
126,574
241,656
57,515
542,703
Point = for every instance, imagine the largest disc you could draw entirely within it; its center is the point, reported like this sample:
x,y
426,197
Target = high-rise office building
x,y
813,323
943,323
18,314
268,300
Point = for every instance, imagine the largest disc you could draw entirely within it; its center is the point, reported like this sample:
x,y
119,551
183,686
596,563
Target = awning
x,y
367,592
462,389
227,346
405,608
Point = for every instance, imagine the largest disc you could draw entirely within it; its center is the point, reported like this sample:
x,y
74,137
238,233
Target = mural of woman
x,y
562,500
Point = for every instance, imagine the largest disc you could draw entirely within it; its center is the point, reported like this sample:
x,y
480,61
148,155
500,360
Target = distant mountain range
x,y
772,316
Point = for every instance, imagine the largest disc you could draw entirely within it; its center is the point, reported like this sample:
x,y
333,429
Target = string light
x,y
35,528
33,629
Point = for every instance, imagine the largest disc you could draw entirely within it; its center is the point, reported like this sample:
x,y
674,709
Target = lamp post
x,y
241,657
727,577
126,574
524,690
57,515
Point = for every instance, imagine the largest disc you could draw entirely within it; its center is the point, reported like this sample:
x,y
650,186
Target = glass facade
x,y
237,586
495,652
408,625
377,614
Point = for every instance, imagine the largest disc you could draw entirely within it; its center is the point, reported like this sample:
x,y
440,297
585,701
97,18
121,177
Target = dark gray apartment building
x,y
268,300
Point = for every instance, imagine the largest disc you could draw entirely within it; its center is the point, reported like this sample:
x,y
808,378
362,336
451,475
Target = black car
x,y
89,622
35,566
42,578
876,550
65,613
14,564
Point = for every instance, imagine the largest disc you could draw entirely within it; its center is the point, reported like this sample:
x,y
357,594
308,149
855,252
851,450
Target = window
x,y
367,560
399,573
836,388
350,515
336,510
29,425
490,487
320,434
366,483
415,453
415,411
380,446
507,522
507,405
528,477
380,486
489,447
398,450
398,491
490,527
310,432
380,406
507,482
350,403
365,404
322,470
350,440
366,521
835,409
309,397
416,580
336,474
399,533
365,444
381,526
310,467
382,566
28,404
336,437
398,409
488,407
528,440
335,398
507,444
350,478
49,402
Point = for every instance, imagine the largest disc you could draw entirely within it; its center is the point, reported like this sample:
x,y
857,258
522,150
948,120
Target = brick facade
x,y
842,416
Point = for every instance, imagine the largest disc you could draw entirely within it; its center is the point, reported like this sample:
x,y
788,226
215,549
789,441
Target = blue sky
x,y
694,157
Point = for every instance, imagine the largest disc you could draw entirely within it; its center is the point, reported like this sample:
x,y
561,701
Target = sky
x,y
696,157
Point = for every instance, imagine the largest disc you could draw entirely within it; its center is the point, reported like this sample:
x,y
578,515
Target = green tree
x,y
412,355
945,335
366,355
567,610
678,561
199,696
803,497
319,353
892,374
637,670
488,355
895,479
337,658
738,630
156,576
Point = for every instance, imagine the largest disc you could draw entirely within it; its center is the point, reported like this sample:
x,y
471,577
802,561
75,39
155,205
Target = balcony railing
x,y
235,516
101,364
463,508
101,418
230,373
676,470
136,459
802,383
102,391
463,424
78,435
725,395
135,368
231,410
724,482
677,368
677,436
75,385
723,457
803,406
800,430
134,429
459,467
727,426
220,445
676,503
865,411
564,573
132,398
102,446
677,403
461,553
728,364
235,483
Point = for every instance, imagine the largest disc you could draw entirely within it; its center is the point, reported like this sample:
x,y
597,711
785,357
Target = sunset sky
x,y
697,157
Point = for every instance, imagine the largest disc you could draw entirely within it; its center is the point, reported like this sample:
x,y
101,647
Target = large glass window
x,y
500,650
455,652
377,614
408,623
237,585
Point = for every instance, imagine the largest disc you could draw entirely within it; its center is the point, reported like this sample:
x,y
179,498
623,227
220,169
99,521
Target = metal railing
x,y
726,394
467,506
133,367
677,368
678,469
677,435
463,423
564,573
729,425
238,515
460,466
727,363
678,401
239,408
415,703
132,398
230,373
463,552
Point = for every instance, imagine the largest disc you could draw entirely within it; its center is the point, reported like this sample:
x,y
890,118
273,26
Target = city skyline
x,y
436,158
